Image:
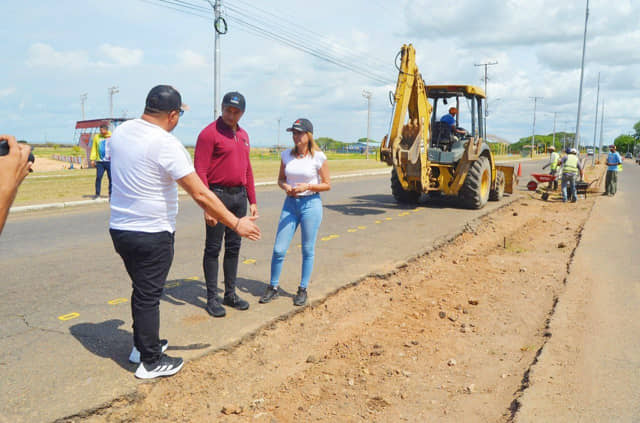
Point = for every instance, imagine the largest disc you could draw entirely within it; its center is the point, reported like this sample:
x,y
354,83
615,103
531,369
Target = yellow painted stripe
x,y
403,214
362,227
249,261
387,218
172,284
193,278
117,301
352,230
69,316
378,221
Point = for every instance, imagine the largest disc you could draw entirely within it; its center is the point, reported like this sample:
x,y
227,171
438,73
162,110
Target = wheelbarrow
x,y
541,178
583,186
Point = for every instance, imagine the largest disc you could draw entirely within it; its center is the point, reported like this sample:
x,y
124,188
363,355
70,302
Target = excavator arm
x,y
406,146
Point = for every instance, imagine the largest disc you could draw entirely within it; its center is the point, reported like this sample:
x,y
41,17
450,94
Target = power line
x,y
290,39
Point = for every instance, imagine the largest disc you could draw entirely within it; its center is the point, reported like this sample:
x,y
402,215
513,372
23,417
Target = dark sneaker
x,y
271,293
236,302
134,357
301,297
215,309
165,366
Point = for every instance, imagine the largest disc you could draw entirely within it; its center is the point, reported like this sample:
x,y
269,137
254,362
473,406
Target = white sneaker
x,y
165,366
134,357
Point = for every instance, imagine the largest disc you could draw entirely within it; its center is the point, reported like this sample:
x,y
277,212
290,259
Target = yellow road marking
x,y
403,214
378,221
193,278
352,230
172,284
362,227
330,237
249,261
69,316
117,301
387,218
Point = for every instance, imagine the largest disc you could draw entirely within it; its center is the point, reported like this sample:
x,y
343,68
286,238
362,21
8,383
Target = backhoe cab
x,y
428,155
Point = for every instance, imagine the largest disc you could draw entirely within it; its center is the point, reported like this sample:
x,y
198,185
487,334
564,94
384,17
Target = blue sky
x,y
55,51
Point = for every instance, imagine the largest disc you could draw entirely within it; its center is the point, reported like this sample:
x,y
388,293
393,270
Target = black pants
x,y
147,258
102,167
234,199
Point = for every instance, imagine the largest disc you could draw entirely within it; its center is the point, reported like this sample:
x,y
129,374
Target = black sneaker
x,y
301,297
271,293
134,357
165,366
215,309
236,302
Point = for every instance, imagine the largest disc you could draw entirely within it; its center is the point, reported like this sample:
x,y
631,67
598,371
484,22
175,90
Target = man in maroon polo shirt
x,y
222,162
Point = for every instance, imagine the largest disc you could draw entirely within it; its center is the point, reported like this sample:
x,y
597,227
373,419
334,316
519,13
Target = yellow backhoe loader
x,y
434,157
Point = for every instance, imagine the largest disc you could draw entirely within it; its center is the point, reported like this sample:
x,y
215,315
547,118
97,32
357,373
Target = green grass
x,y
78,184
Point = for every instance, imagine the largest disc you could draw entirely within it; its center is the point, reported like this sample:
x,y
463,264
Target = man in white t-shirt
x,y
147,162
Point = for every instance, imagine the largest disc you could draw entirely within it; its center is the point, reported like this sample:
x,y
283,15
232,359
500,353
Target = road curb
x,y
67,204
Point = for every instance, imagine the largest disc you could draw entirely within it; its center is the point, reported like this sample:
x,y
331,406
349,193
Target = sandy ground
x,y
449,337
46,165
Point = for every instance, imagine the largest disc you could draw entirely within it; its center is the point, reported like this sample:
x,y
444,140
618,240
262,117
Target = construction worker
x,y
571,167
554,161
450,118
614,165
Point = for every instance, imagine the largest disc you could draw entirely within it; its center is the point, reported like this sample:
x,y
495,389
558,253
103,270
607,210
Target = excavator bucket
x,y
510,178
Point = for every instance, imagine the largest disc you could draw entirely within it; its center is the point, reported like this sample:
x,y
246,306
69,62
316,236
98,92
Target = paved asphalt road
x,y
66,326
588,371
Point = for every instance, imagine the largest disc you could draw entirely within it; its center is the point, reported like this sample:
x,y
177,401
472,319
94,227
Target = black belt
x,y
229,190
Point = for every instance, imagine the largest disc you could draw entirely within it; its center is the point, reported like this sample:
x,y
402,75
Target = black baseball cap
x,y
302,125
164,98
234,99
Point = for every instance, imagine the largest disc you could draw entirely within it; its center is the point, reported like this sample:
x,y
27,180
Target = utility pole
x,y
595,125
367,94
533,133
83,99
584,46
486,98
554,129
112,90
278,145
219,27
601,129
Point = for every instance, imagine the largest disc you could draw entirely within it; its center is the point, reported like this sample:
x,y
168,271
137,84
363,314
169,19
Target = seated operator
x,y
450,118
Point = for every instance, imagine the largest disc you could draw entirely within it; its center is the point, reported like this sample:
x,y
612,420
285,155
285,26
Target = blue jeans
x,y
569,179
307,213
102,167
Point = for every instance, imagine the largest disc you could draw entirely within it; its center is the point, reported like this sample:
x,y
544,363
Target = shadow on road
x,y
106,340
194,292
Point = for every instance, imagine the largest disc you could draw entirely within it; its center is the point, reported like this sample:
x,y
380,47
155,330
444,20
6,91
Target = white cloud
x,y
7,92
121,55
44,55
191,58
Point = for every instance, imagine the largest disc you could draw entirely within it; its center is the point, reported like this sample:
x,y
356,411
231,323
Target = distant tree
x,y
624,143
636,127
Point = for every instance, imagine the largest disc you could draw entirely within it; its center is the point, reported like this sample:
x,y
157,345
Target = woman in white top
x,y
303,174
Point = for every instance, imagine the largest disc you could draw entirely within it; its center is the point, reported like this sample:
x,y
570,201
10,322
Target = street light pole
x,y
533,133
595,125
554,128
367,95
112,90
219,27
601,129
83,99
486,96
584,46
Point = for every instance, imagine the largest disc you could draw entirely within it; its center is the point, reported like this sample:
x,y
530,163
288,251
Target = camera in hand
x,y
4,150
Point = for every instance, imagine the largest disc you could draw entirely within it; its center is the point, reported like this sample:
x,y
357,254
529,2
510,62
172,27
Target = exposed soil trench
x,y
448,337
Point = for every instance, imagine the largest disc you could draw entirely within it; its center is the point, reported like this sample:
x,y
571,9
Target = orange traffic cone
x,y
519,169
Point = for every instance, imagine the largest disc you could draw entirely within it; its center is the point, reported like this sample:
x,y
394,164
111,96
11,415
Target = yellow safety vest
x,y
555,158
571,164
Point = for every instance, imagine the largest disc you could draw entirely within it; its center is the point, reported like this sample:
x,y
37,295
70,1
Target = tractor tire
x,y
498,193
475,190
402,196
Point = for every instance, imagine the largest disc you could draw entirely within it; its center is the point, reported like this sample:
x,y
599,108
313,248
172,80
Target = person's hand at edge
x,y
246,228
